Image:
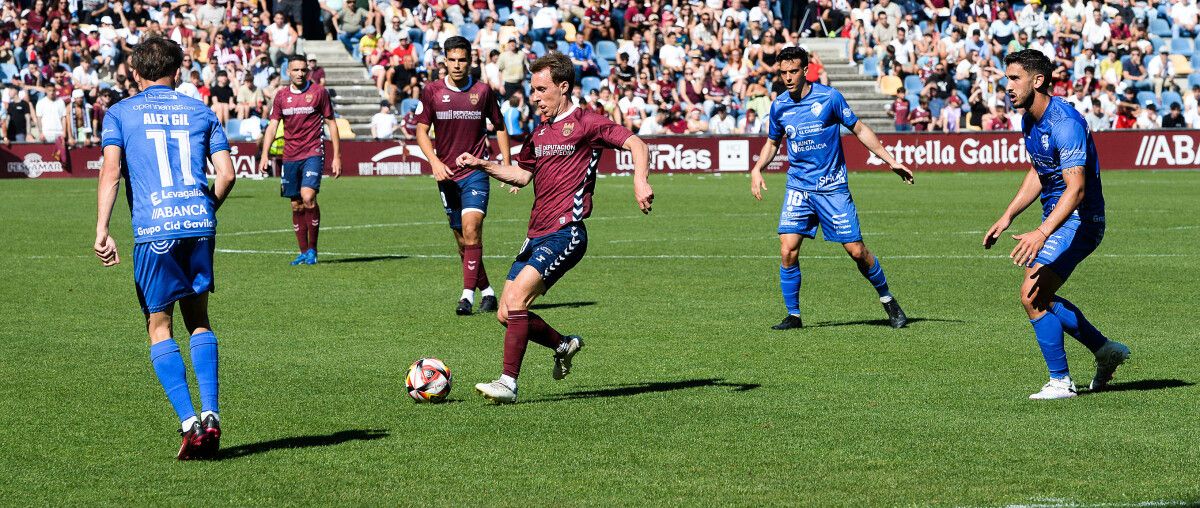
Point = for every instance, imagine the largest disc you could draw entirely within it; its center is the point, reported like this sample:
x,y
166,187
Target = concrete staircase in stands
x,y
356,97
860,90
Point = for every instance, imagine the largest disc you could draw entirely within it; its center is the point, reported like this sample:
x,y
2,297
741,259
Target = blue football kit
x,y
817,192
166,139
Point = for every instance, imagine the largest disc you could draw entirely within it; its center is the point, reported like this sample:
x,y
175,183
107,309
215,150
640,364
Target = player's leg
x,y
473,199
869,267
289,187
839,223
310,185
519,293
203,346
172,375
1037,293
797,220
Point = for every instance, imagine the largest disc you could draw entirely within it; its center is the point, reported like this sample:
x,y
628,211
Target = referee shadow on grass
x,y
335,438
643,388
1142,385
879,322
365,259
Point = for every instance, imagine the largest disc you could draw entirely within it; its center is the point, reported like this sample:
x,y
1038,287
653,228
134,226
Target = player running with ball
x,y
1066,174
809,118
160,140
560,158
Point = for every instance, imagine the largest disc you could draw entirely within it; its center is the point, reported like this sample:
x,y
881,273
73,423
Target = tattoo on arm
x,y
1077,170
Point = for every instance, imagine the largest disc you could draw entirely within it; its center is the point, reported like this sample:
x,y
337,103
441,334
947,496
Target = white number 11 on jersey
x,y
181,137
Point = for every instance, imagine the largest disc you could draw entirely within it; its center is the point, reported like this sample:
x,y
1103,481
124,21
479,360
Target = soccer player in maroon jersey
x,y
303,106
460,109
560,158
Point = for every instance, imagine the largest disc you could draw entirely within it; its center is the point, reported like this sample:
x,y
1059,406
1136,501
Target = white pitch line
x,y
676,256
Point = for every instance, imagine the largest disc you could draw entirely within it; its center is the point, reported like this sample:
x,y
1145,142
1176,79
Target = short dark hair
x,y
156,58
561,68
794,53
457,42
1034,62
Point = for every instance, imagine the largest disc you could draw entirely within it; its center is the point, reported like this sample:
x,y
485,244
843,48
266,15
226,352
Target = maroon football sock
x,y
516,339
472,264
542,333
482,281
300,226
314,225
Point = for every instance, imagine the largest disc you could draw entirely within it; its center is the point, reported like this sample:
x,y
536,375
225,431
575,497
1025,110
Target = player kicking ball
x,y
159,141
808,118
302,107
459,109
560,158
1066,175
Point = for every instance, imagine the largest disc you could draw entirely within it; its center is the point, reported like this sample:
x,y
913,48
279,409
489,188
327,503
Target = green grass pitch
x,y
683,396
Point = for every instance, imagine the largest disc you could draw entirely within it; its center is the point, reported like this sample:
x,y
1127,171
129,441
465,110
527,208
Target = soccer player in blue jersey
x,y
160,140
809,118
1066,175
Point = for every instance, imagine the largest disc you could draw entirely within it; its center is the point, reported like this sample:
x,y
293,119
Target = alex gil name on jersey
x,y
164,119
970,151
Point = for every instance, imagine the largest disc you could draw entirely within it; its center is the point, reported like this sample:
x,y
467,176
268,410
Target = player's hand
x,y
905,173
1028,246
993,233
262,165
757,184
644,194
511,190
467,160
106,249
441,172
336,167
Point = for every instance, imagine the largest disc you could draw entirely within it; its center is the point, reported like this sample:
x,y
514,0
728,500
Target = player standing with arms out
x,y
459,109
560,158
809,118
1066,175
159,140
302,106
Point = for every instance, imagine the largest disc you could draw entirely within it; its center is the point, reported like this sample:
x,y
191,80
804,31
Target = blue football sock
x,y
204,363
1049,331
1078,326
168,365
789,284
876,277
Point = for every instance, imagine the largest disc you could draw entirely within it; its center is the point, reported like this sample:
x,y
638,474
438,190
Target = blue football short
x,y
168,270
301,173
835,212
1068,246
553,254
467,195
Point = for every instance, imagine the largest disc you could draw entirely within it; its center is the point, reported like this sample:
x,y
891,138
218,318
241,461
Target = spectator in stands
x,y
546,25
1183,17
1147,118
1081,100
488,37
598,23
383,123
583,57
220,97
283,39
751,123
79,128
51,112
249,98
1161,71
18,118
721,123
316,73
1097,34
351,19
1174,119
898,110
1095,117
512,65
1135,74
905,53
920,118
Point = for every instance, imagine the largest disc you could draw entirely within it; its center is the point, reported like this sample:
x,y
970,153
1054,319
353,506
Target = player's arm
x,y
223,183
336,140
642,192
867,137
1026,195
765,156
440,171
1029,244
106,195
510,174
268,139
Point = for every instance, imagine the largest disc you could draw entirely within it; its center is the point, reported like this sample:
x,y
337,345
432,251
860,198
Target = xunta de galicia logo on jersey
x,y
568,128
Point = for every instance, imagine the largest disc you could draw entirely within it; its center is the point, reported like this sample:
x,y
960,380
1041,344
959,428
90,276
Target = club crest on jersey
x,y
445,97
307,97
474,99
289,99
845,112
816,108
1045,141
568,128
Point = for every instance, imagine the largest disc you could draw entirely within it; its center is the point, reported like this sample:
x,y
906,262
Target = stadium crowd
x,y
657,66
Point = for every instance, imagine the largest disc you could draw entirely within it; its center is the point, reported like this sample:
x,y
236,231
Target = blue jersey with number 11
x,y
166,139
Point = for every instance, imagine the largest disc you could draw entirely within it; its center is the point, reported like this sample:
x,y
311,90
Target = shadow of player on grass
x,y
567,305
1141,385
335,438
641,388
366,259
878,322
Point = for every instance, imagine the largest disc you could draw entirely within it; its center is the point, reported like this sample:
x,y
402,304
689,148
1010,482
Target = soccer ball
x,y
428,380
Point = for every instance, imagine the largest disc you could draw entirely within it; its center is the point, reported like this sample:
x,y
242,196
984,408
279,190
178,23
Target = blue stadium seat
x,y
232,129
604,68
607,50
935,107
1143,97
539,49
562,46
871,66
913,83
503,13
590,83
407,105
1196,60
468,30
1194,80
1183,46
1160,28
1169,97
8,71
1156,43
418,49
1146,59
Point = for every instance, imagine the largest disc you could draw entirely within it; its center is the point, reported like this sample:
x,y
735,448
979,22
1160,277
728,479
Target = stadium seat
x,y
607,50
9,71
468,30
1157,43
570,32
1183,67
1169,97
418,49
539,49
233,129
870,66
590,83
935,107
344,130
562,46
503,13
1193,80
604,68
1160,28
913,83
1183,46
889,84
407,105
1147,96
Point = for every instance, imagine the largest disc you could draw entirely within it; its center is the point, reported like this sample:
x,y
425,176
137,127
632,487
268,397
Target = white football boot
x,y
497,392
1056,389
1110,356
563,355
